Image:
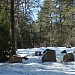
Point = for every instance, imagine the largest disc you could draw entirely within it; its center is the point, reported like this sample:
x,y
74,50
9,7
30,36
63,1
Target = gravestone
x,y
68,57
49,56
64,51
38,53
15,59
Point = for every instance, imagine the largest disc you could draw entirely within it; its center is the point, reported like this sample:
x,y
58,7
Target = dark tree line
x,y
16,26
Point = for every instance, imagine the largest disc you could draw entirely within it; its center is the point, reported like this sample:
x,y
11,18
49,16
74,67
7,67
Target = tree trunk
x,y
12,28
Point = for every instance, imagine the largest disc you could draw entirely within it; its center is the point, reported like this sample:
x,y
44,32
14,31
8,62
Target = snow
x,y
34,65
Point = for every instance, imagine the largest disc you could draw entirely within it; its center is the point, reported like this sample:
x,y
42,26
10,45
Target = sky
x,y
36,10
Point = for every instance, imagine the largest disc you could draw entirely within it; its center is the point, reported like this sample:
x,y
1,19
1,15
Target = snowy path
x,y
33,66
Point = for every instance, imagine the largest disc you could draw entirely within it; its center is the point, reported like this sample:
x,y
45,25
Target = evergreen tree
x,y
5,38
56,19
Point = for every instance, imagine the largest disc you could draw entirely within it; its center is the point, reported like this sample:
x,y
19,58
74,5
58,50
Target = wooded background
x,y
55,24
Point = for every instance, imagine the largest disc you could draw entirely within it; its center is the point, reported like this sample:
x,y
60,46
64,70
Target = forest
x,y
54,26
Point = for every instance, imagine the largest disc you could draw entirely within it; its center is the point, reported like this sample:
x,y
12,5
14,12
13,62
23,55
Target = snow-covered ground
x,y
34,65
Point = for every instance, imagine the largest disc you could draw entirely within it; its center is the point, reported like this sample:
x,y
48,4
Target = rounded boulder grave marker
x,y
68,57
49,56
